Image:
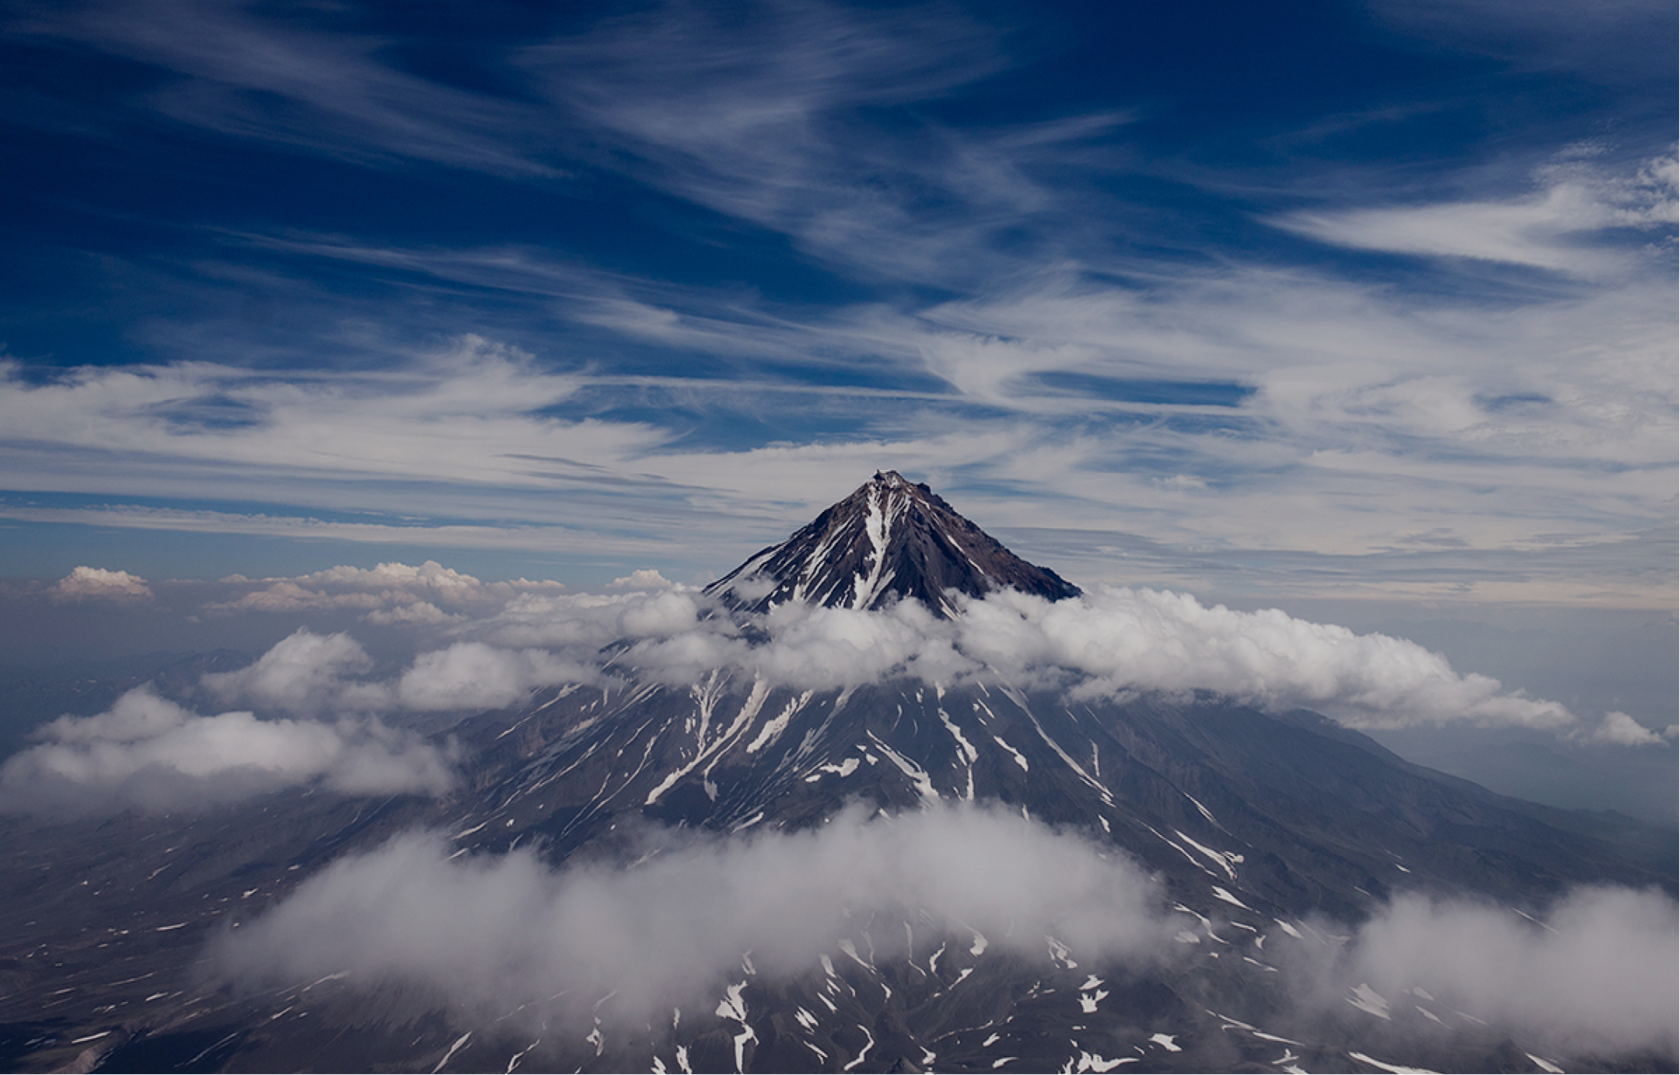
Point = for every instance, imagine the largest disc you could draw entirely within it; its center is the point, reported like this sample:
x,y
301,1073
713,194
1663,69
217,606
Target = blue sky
x,y
1358,300
1362,310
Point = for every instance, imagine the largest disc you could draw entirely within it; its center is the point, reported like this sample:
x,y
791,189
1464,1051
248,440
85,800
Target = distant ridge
x,y
890,539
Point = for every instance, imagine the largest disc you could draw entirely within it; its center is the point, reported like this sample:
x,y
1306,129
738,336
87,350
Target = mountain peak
x,y
890,539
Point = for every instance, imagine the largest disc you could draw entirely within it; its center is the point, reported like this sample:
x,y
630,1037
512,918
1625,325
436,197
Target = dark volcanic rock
x,y
889,540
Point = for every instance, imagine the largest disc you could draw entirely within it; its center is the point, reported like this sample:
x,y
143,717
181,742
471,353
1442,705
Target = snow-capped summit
x,y
890,539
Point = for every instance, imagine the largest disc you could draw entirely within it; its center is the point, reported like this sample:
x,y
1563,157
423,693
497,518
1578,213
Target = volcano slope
x,y
1190,876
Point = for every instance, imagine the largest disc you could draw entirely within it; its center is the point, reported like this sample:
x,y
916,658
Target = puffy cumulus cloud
x,y
420,612
645,578
472,675
151,754
493,934
1596,975
304,672
1110,641
95,583
390,593
1106,642
812,647
1620,729
1127,639
679,635
590,621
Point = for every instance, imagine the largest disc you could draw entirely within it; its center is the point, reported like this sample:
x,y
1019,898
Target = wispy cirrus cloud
x,y
470,412
1526,429
301,83
1551,228
797,117
1028,310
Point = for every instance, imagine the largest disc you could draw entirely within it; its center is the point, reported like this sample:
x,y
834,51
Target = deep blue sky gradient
x,y
1329,279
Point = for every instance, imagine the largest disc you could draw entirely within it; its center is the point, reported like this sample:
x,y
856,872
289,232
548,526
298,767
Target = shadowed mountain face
x,y
889,540
1266,833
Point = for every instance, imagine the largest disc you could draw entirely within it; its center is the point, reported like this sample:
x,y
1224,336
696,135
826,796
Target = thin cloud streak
x,y
248,77
532,538
1574,200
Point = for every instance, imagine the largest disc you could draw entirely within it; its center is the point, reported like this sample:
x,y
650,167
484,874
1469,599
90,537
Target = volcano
x,y
891,539
1256,826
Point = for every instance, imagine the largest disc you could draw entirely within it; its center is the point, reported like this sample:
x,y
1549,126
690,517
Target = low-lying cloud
x,y
1620,729
506,638
496,934
1596,975
303,673
1109,641
1156,640
472,675
150,754
504,936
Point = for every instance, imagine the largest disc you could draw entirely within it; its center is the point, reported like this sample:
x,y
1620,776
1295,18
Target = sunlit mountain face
x,y
888,541
830,814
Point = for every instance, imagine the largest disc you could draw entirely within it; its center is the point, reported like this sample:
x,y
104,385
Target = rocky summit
x,y
890,539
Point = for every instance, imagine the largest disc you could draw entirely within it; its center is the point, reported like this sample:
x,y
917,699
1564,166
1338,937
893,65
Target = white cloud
x,y
419,612
304,672
493,934
1372,416
85,583
1622,730
1523,233
150,754
1597,975
472,675
1152,640
507,936
644,578
1543,230
1111,640
467,413
392,593
588,621
1378,410
759,119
